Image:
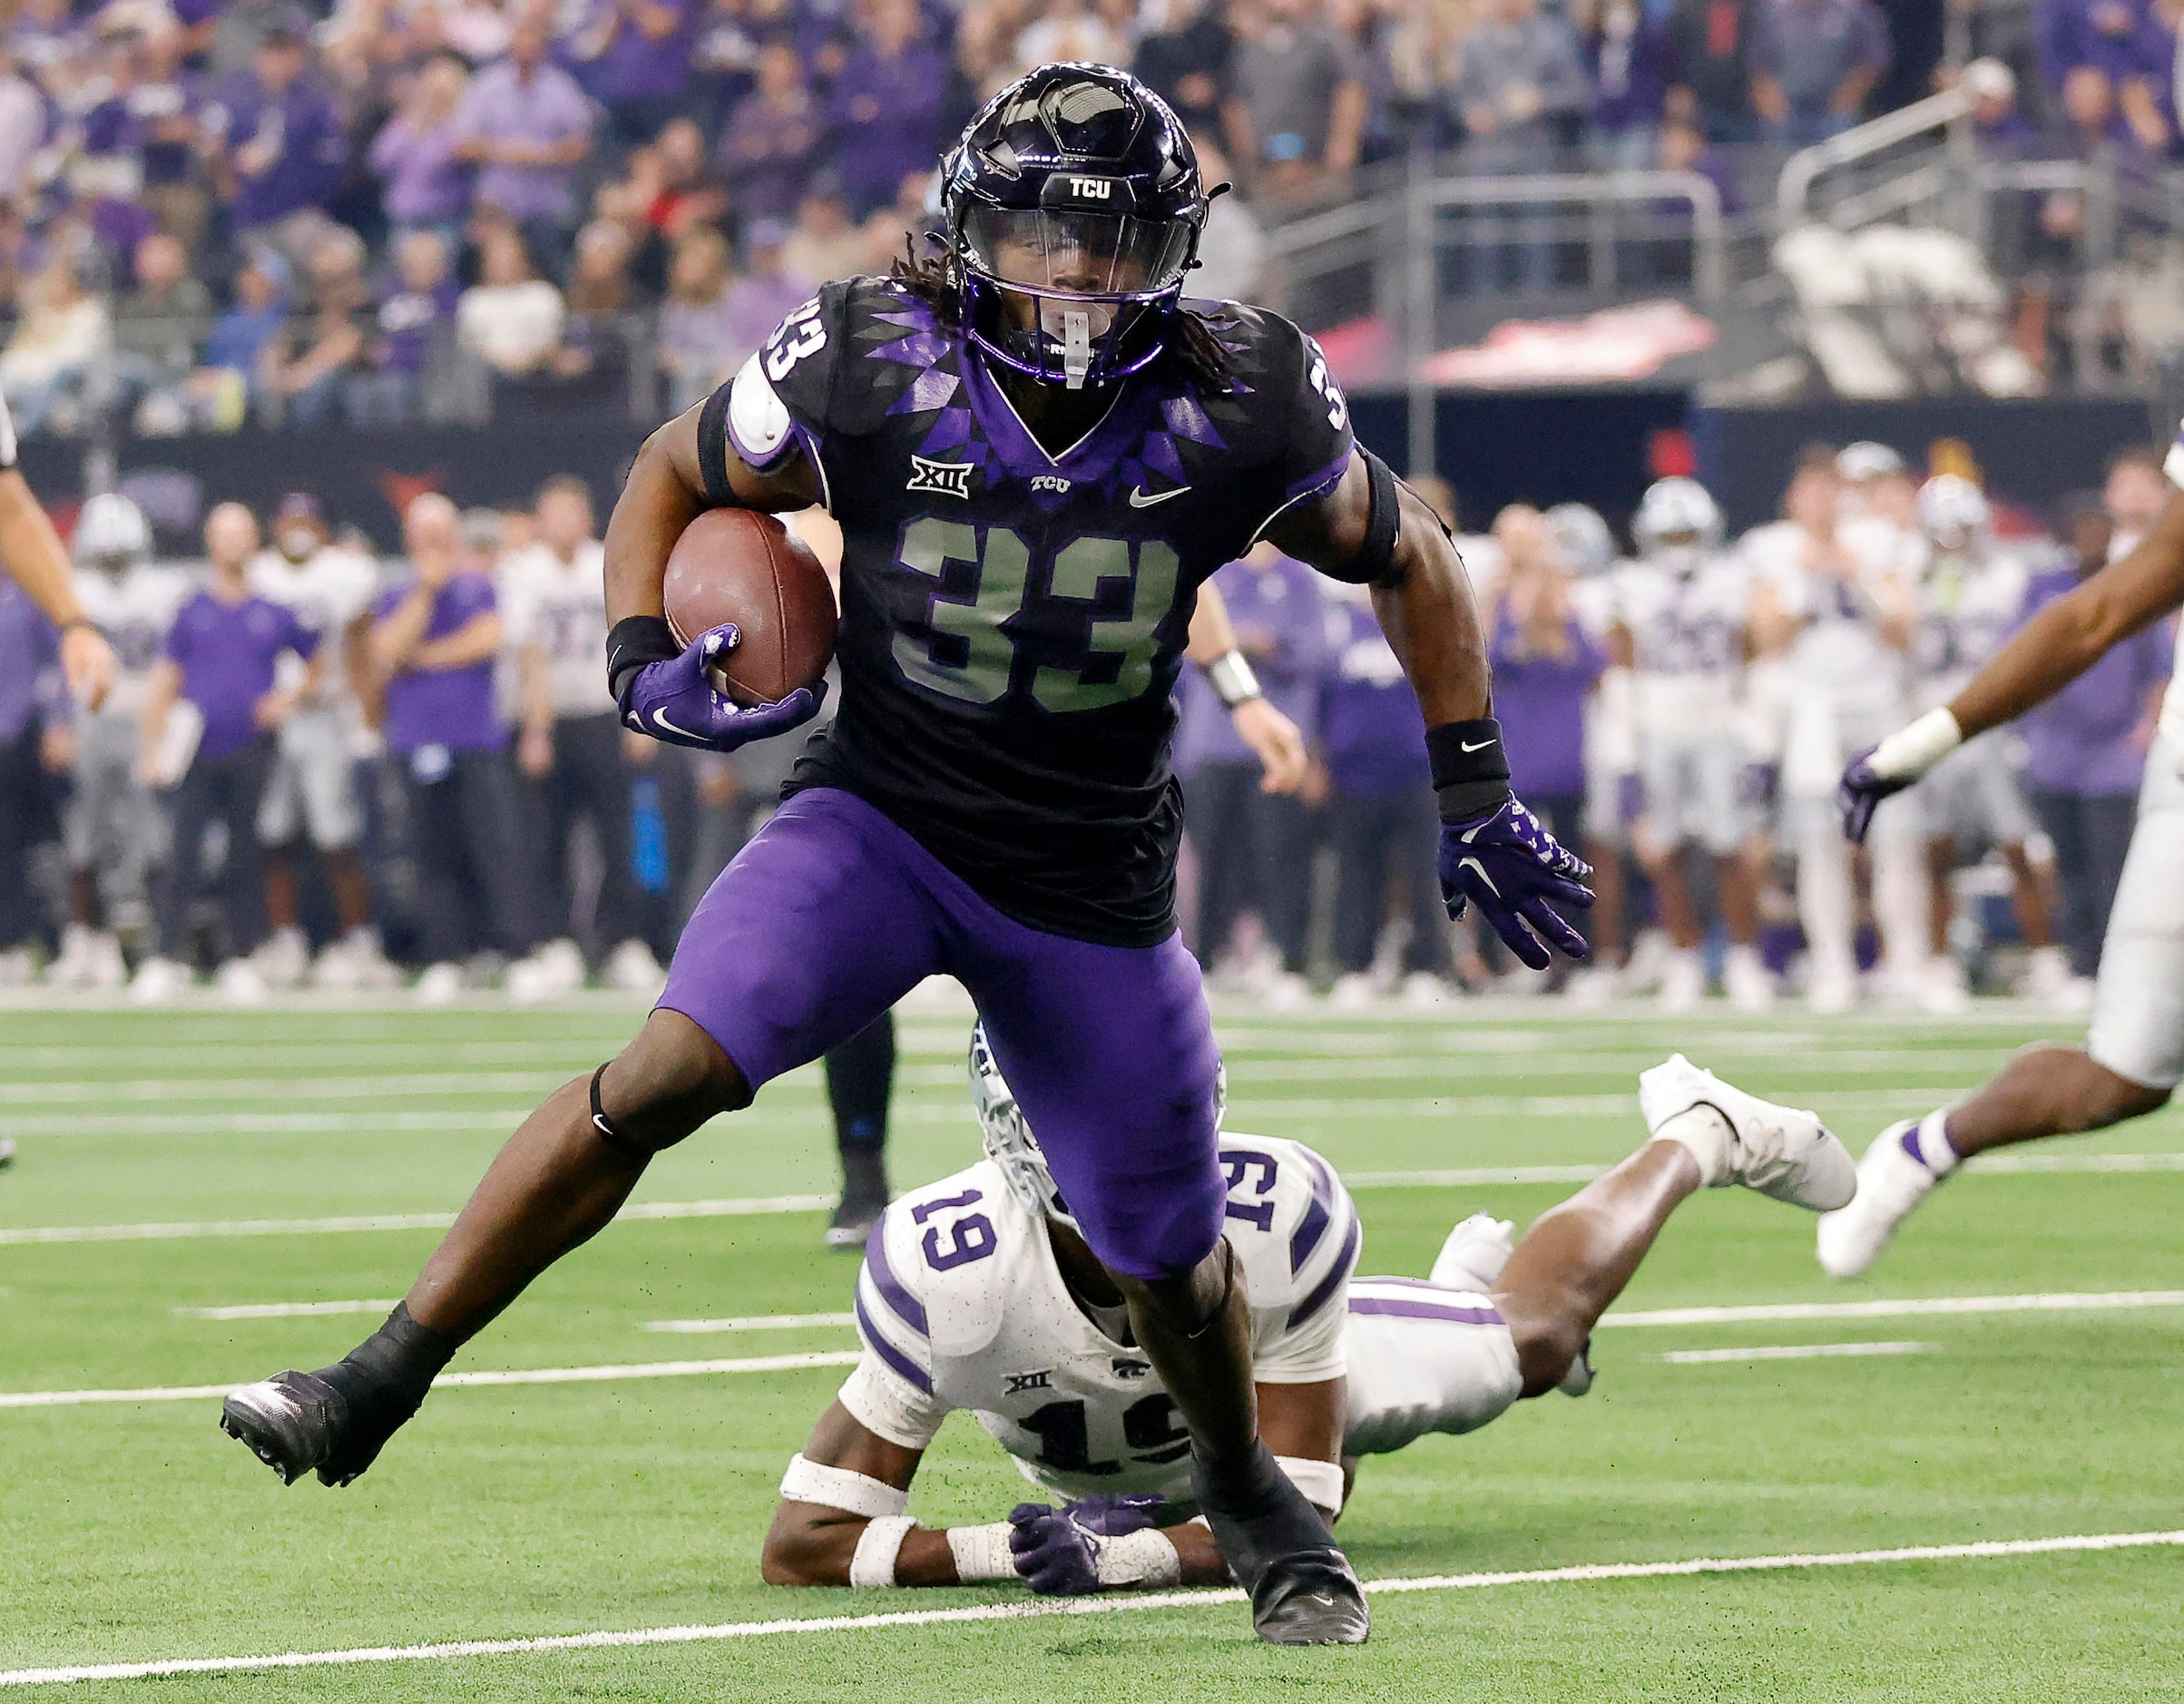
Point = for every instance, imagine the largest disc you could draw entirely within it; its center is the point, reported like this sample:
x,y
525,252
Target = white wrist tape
x,y
876,1549
1138,1559
1321,1482
839,1488
1912,750
982,1552
1231,678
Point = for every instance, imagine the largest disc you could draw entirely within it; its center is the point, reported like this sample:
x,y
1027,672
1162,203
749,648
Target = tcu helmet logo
x,y
1091,189
941,479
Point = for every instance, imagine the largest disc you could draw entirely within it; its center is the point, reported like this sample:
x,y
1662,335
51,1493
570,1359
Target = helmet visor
x,y
1060,251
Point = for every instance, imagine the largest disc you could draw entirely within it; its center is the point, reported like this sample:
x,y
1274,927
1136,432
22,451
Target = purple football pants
x,y
831,913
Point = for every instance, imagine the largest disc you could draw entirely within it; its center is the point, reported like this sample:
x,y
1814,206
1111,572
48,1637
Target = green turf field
x,y
176,1149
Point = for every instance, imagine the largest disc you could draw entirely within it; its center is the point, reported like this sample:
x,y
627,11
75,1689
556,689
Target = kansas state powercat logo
x,y
942,479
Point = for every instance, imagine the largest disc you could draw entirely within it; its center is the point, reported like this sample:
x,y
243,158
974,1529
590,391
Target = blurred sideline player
x,y
1970,592
31,554
114,828
1610,758
2133,1056
1036,454
220,691
570,750
978,1293
1834,606
1680,614
313,788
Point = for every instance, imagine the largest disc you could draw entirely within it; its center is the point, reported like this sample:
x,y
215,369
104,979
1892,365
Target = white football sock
x,y
1711,1138
1824,900
1927,1142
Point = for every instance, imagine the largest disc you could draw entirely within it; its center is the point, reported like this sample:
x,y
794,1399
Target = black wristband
x,y
1470,769
636,641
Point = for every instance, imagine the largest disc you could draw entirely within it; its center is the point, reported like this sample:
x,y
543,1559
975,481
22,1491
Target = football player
x,y
113,831
31,554
313,788
2133,1056
1036,452
980,1293
1971,592
1679,611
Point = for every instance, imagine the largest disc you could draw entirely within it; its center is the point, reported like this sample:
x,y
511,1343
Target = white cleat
x,y
1891,1183
1475,1254
1747,980
1775,1149
283,958
241,982
630,968
554,970
160,981
1683,981
1354,991
1422,991
440,985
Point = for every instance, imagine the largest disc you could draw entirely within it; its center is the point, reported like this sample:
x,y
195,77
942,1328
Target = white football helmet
x,y
1677,521
1009,1142
112,534
1584,537
1953,512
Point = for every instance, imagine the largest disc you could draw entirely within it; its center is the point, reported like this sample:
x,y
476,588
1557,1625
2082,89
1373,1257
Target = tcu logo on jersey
x,y
1049,481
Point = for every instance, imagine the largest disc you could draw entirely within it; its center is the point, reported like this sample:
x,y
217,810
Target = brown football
x,y
738,565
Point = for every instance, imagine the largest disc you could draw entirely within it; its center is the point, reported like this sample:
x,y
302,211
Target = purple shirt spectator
x,y
1371,728
451,708
633,65
2080,741
502,104
1811,47
1279,616
1628,61
754,306
1540,700
412,323
885,111
300,130
29,647
227,653
768,149
424,182
2106,34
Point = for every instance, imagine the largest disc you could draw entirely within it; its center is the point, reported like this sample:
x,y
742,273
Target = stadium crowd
x,y
211,214
322,768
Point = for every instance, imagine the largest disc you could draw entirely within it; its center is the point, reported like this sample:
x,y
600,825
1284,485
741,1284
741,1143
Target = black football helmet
x,y
1074,209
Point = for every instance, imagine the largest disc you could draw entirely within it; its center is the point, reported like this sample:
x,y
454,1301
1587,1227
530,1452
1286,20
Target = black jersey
x,y
1013,622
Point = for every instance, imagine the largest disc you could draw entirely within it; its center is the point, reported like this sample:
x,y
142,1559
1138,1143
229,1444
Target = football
x,y
738,565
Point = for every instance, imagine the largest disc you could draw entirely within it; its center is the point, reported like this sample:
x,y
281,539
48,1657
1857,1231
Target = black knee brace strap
x,y
604,1125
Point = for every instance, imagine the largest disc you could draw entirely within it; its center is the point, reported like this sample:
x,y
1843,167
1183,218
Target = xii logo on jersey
x,y
941,479
1044,1379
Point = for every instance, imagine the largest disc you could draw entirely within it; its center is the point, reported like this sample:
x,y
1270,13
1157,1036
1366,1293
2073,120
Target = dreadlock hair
x,y
927,276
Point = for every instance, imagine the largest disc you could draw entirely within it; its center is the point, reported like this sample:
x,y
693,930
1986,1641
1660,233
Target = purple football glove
x,y
1057,1550
1862,791
675,701
1511,866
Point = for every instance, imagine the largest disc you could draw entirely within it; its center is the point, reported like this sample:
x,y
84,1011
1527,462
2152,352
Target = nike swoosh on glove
x,y
1511,868
1057,1550
675,700
1862,791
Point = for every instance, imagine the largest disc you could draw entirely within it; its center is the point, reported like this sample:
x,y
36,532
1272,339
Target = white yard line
x,y
1585,1573
1983,1165
282,1310
2059,1302
748,1322
174,1229
521,1375
1792,1352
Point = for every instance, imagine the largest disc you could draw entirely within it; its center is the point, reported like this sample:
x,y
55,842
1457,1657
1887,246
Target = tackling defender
x,y
2133,1054
1036,454
979,1293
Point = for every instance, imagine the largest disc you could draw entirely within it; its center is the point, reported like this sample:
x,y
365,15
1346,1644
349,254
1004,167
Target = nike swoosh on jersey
x,y
1139,499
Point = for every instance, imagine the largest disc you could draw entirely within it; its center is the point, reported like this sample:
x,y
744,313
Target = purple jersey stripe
x,y
907,1307
1336,1276
887,1352
1317,1216
1453,1315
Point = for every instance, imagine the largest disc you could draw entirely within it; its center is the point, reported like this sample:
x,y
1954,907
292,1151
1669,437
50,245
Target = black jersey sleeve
x,y
783,398
1298,436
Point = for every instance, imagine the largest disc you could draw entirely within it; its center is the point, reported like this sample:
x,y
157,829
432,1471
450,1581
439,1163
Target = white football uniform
x,y
561,608
1686,636
960,1304
113,825
312,789
1610,738
1968,604
2138,1023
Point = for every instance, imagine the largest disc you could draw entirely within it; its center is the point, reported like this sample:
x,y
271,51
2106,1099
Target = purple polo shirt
x,y
443,707
1371,730
548,108
123,123
874,152
29,647
2107,34
1282,607
1540,700
227,653
423,182
768,156
2080,741
408,320
312,149
633,67
1631,75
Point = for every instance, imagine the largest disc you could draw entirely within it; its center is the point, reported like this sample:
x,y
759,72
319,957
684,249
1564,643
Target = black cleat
x,y
1311,1599
293,1422
853,1221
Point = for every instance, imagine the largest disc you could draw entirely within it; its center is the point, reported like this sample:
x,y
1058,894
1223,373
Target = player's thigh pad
x,y
2138,1024
1111,1052
1422,1359
822,922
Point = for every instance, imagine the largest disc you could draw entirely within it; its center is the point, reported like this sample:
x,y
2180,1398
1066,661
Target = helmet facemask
x,y
1009,1142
